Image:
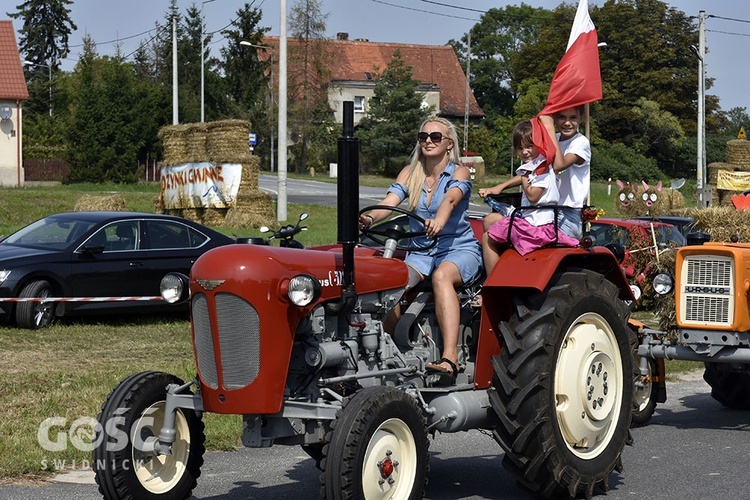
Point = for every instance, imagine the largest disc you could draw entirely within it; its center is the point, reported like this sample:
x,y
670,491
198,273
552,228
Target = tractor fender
x,y
536,269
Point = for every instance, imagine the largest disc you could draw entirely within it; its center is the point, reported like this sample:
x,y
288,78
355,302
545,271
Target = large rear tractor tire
x,y
730,388
564,386
35,315
377,448
133,412
644,395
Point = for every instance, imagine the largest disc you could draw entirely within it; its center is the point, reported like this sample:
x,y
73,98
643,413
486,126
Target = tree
x,y
308,77
103,134
495,44
84,152
247,75
388,129
659,133
647,55
44,42
731,121
45,31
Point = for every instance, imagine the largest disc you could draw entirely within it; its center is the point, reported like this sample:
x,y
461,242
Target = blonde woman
x,y
438,188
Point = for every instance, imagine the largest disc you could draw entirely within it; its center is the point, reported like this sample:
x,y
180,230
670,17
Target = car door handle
x,y
136,264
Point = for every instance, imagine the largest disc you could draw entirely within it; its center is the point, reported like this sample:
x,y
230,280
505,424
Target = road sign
x,y
252,139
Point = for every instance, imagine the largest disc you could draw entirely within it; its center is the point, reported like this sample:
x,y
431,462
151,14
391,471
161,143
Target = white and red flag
x,y
577,79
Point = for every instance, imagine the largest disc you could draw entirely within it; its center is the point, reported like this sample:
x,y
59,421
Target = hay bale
x,y
174,139
738,154
196,142
720,222
629,201
251,211
226,141
193,214
713,171
250,176
88,203
214,216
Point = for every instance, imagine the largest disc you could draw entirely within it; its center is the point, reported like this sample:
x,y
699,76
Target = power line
x,y
729,19
455,6
728,33
115,40
424,11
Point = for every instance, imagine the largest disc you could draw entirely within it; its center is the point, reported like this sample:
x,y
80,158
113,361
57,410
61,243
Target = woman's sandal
x,y
436,369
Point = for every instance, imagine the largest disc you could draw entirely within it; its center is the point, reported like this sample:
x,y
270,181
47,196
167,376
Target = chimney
x,y
341,35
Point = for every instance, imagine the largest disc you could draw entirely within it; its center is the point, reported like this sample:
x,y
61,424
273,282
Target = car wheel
x,y
35,315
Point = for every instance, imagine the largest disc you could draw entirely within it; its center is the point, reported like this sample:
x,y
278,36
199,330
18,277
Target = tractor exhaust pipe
x,y
348,211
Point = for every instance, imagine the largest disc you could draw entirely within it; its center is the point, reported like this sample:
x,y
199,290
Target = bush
x,y
618,161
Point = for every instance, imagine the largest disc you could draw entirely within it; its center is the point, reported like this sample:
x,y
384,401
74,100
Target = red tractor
x,y
294,341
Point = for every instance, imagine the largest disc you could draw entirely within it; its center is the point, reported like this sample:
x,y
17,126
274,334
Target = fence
x,y
56,170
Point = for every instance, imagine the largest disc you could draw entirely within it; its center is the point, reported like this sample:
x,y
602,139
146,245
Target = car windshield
x,y
48,233
666,236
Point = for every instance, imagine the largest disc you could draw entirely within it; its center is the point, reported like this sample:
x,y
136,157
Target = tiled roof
x,y
431,64
12,81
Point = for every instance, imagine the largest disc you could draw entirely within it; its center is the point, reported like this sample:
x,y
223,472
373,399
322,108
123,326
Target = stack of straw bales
x,y
219,142
88,203
738,160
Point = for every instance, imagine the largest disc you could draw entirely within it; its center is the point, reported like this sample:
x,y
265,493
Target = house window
x,y
359,103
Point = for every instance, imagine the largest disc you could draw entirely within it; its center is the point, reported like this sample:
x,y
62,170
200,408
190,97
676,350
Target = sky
x,y
430,22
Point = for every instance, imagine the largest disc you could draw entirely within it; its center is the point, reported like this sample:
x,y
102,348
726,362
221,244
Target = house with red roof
x,y
354,65
13,93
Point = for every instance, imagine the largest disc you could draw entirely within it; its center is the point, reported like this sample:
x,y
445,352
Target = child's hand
x,y
485,192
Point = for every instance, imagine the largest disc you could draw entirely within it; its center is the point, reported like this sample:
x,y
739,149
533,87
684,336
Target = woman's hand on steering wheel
x,y
432,228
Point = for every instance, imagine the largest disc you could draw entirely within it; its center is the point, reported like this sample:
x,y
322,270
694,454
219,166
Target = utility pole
x,y
281,197
466,100
203,62
701,145
175,113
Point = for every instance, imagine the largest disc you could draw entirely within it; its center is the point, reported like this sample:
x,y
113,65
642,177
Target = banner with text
x,y
200,185
733,181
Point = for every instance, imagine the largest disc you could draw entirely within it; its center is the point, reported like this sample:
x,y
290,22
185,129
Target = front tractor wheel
x,y
644,394
563,386
377,448
133,412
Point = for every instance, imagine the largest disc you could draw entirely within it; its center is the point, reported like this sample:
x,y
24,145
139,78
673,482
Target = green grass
x,y
67,370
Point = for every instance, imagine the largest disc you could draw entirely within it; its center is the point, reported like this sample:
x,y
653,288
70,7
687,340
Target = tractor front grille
x,y
707,290
239,340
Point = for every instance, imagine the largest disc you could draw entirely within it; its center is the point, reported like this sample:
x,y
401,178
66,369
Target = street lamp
x,y
202,60
49,67
270,86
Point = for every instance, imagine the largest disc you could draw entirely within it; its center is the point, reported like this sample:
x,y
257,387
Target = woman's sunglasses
x,y
435,137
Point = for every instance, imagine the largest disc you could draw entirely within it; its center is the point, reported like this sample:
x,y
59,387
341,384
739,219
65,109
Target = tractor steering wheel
x,y
394,231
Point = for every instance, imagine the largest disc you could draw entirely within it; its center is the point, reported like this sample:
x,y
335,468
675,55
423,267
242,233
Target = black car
x,y
95,254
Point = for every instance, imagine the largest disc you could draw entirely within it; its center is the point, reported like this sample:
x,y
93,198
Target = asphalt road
x,y
693,448
325,193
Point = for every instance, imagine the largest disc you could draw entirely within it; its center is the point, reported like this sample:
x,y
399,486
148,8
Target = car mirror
x,y
93,249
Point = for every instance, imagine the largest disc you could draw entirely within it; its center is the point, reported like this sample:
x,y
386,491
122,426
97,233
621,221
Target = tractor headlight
x,y
663,283
303,289
174,288
4,273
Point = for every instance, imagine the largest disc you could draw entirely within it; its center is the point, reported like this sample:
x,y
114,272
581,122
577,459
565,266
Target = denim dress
x,y
456,242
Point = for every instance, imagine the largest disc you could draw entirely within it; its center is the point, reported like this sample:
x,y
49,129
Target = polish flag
x,y
577,79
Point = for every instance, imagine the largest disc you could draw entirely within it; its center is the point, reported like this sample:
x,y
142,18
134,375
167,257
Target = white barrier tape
x,y
78,299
